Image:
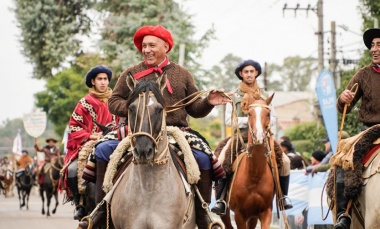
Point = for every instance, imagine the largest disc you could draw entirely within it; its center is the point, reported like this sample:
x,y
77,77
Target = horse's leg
x,y
56,202
240,221
226,219
252,222
265,219
43,200
19,196
48,200
27,197
23,194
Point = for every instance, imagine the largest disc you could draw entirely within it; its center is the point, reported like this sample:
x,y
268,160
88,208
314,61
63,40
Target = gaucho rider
x,y
248,71
51,151
368,80
90,112
154,42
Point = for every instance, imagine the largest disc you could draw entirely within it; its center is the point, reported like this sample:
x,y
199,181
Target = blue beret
x,y
244,64
95,71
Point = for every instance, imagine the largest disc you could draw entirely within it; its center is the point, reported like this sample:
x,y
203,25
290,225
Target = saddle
x,y
354,155
188,161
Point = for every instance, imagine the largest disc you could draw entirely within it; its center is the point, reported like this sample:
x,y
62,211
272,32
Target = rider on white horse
x,y
367,79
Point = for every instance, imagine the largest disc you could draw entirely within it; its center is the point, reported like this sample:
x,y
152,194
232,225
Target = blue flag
x,y
325,90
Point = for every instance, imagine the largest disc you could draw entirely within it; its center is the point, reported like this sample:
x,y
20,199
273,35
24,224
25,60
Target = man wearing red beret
x,y
154,42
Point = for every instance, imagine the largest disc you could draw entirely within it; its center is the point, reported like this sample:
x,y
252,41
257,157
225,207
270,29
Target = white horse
x,y
368,202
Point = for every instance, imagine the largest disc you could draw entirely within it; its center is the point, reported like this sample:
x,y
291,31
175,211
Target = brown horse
x,y
252,188
50,184
6,182
151,194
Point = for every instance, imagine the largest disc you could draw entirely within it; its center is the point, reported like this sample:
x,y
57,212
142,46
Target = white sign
x,y
35,123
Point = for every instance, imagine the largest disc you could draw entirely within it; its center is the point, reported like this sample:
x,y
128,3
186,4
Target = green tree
x,y
61,95
49,31
306,137
295,73
125,17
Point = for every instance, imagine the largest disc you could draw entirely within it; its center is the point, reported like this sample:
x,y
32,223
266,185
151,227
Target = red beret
x,y
158,31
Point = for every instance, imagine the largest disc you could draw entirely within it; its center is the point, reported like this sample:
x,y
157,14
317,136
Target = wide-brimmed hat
x,y
369,35
51,139
158,31
244,64
95,71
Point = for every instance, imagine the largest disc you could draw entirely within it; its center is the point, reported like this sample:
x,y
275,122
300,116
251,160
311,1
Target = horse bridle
x,y
266,131
163,157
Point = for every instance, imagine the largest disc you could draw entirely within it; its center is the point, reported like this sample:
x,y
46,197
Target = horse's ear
x,y
161,81
131,82
245,103
269,99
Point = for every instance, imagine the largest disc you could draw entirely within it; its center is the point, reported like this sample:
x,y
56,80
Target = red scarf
x,y
377,69
155,69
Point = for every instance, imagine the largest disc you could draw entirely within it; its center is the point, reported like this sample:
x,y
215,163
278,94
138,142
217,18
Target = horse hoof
x,y
53,211
43,212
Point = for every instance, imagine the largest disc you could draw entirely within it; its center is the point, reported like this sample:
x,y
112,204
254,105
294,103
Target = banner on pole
x,y
325,90
35,123
17,144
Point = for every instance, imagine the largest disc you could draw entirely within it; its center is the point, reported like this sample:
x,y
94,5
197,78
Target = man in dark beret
x,y
248,71
367,80
84,125
154,42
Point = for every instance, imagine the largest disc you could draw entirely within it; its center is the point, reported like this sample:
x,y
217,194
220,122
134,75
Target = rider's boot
x,y
284,184
220,205
80,210
99,219
343,220
205,188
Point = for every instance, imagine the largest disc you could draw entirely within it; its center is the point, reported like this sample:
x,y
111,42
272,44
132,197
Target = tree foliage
x,y
49,31
295,73
306,137
125,17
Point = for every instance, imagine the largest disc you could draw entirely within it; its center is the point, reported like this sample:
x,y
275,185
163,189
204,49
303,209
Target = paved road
x,y
13,218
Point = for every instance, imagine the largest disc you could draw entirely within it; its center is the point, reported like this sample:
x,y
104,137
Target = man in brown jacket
x,y
368,80
22,163
154,42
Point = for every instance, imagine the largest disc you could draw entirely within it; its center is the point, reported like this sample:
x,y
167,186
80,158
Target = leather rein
x,y
160,157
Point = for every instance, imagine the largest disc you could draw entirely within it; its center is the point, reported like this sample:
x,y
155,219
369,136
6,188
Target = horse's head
x,y
258,118
146,116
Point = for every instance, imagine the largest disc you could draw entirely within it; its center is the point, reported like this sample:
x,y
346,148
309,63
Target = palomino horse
x,y
252,188
24,184
50,184
7,181
151,193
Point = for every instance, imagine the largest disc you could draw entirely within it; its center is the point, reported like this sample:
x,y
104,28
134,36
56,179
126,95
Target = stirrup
x,y
88,218
219,210
287,202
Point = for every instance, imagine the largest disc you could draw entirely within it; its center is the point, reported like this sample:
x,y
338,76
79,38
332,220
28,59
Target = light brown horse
x,y
252,188
7,180
151,193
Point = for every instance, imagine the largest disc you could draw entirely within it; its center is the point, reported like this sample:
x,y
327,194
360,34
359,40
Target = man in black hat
x,y
368,80
247,71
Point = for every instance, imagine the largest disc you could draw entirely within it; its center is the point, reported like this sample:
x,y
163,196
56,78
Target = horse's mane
x,y
146,86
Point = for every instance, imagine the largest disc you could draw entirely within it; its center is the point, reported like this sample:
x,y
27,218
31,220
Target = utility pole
x,y
319,33
265,77
333,60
